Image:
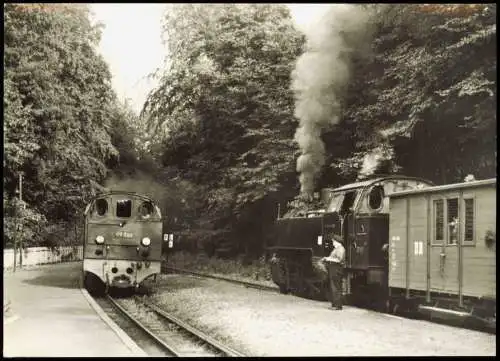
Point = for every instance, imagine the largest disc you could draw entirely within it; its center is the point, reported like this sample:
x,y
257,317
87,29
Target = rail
x,y
173,336
242,283
212,343
165,346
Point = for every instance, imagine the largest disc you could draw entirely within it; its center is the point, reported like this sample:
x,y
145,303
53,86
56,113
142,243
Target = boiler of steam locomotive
x,y
358,214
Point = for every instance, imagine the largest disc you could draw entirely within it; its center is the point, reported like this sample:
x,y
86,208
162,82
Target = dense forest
x,y
64,129
250,112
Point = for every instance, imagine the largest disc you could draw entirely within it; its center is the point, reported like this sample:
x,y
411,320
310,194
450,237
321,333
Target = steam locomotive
x,y
123,241
409,245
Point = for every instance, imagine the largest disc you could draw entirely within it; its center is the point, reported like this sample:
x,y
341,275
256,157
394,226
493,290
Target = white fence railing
x,y
41,255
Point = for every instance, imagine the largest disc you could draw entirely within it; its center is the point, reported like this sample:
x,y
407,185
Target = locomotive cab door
x,y
347,216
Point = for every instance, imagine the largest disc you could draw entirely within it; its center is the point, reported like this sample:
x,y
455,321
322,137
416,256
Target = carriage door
x,y
348,219
444,240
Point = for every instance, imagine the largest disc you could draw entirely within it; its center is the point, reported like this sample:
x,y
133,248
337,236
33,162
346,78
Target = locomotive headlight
x,y
99,240
145,241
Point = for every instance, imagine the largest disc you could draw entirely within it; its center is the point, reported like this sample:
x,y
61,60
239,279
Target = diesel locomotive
x,y
409,245
123,241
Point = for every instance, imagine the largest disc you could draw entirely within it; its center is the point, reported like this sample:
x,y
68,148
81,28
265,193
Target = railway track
x,y
150,344
162,334
241,283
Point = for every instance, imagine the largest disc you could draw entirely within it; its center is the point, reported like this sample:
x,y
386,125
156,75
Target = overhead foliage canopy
x,y
219,128
417,102
429,93
225,103
58,106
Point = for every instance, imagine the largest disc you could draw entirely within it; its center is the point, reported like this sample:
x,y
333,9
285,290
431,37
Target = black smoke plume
x,y
319,81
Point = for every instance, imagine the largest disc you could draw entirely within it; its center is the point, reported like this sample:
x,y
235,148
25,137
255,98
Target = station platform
x,y
47,314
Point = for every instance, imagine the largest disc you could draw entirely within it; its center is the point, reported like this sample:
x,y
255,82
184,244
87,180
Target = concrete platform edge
x,y
119,332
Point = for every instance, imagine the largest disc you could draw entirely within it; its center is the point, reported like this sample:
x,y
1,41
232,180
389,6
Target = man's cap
x,y
337,237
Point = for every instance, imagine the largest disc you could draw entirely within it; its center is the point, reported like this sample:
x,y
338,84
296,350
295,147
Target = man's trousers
x,y
335,273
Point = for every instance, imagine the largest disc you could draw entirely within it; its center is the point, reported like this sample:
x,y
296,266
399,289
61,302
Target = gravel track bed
x,y
170,333
139,336
260,323
228,277
246,279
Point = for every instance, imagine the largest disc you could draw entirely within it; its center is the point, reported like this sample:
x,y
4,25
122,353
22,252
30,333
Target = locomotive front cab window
x,y
124,208
101,207
376,197
146,210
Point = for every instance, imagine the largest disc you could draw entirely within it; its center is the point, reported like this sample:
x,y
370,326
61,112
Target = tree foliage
x,y
226,108
420,102
428,94
218,130
57,108
21,223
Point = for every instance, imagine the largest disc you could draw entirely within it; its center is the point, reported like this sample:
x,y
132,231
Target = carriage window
x,y
124,208
452,209
375,197
438,221
469,220
146,210
101,206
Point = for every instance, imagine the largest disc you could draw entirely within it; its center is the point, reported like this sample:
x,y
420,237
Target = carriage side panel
x,y
458,222
479,269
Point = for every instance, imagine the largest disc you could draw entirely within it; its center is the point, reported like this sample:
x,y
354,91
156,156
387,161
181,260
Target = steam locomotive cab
x,y
364,211
358,215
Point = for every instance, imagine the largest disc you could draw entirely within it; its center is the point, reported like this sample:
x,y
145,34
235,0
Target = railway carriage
x,y
442,254
123,241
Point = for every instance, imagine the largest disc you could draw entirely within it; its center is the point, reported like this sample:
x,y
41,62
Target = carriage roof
x,y
446,187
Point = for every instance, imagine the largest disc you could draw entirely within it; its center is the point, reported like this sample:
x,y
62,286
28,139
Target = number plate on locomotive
x,y
122,234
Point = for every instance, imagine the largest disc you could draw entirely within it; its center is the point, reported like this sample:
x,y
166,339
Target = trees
x,y
428,93
58,101
221,121
226,106
458,100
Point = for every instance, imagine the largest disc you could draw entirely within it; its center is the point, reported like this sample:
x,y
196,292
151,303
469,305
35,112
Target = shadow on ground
x,y
60,276
173,282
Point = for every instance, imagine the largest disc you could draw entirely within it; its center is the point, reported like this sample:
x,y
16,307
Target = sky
x,y
131,43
